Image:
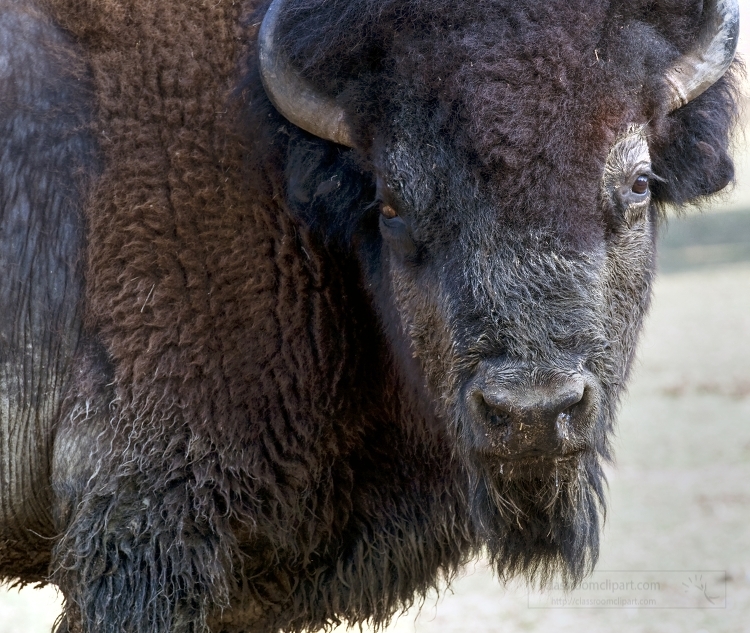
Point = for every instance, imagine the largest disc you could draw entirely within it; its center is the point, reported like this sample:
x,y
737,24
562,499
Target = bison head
x,y
511,161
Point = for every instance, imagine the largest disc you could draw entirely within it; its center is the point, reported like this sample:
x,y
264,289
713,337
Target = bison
x,y
305,305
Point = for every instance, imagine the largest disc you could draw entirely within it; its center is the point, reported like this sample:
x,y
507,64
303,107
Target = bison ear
x,y
692,156
700,87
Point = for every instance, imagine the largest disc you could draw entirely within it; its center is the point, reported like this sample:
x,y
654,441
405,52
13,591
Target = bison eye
x,y
388,211
640,186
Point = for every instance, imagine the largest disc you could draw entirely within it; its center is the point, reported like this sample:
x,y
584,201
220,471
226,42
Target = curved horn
x,y
292,95
708,60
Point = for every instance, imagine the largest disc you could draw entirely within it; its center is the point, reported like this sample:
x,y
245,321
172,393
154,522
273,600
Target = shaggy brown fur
x,y
228,335
264,430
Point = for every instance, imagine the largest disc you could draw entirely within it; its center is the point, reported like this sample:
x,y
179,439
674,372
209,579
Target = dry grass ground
x,y
680,493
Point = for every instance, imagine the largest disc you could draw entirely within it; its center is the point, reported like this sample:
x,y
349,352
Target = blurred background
x,y
679,498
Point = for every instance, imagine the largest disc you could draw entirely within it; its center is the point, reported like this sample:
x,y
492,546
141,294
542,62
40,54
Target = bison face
x,y
523,319
515,203
524,328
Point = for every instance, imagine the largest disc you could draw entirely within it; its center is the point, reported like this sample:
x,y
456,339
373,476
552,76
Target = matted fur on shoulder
x,y
218,476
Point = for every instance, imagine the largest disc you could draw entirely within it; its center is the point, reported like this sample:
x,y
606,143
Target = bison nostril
x,y
493,412
565,417
564,422
499,419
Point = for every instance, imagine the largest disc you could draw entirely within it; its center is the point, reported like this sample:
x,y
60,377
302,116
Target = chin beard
x,y
540,519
